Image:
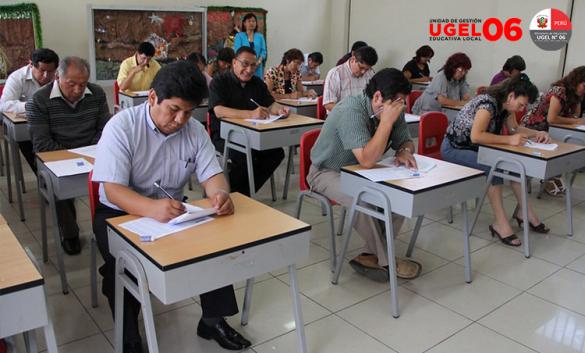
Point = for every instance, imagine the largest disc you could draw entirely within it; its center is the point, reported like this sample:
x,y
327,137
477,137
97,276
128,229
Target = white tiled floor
x,y
514,304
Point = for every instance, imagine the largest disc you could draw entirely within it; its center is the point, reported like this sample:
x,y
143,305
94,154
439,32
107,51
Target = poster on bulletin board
x,y
20,34
115,34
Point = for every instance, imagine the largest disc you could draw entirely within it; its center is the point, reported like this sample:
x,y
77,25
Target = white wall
x,y
397,28
575,51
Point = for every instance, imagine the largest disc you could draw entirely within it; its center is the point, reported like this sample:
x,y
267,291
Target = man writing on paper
x,y
23,83
157,142
69,113
239,94
360,129
137,72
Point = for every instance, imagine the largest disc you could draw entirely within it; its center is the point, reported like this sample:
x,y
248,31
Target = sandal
x,y
540,228
367,265
552,188
506,240
560,183
407,269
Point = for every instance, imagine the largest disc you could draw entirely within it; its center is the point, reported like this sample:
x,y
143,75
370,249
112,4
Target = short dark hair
x,y
389,82
520,85
245,49
248,16
226,54
316,57
514,63
455,61
45,56
146,48
196,58
366,55
180,79
291,55
358,44
424,52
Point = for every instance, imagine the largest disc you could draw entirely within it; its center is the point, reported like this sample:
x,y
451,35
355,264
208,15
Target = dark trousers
x,y
26,148
264,164
217,303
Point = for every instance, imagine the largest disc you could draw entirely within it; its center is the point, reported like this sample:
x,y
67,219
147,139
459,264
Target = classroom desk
x,y
244,136
560,132
300,107
23,304
421,86
412,122
130,99
451,111
15,130
529,162
316,85
445,185
52,189
206,257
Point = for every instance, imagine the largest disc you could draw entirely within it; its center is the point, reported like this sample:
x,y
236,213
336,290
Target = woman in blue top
x,y
249,37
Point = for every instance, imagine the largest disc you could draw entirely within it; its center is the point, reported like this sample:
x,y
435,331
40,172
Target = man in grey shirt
x,y
360,129
158,142
69,113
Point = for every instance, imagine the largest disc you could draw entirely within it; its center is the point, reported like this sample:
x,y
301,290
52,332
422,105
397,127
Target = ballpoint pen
x,y
157,185
382,108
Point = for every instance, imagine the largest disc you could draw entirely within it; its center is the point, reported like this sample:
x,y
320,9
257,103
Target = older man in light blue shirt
x,y
158,142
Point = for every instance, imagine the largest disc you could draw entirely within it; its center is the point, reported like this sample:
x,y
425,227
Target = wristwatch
x,y
404,149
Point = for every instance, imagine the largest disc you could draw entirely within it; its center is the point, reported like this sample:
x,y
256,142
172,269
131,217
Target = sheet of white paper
x,y
192,212
580,127
89,151
316,82
272,119
389,173
308,99
155,230
424,164
141,93
541,146
69,167
411,118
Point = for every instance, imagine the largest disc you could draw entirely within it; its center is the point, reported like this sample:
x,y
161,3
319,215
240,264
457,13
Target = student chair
x,y
411,98
307,141
93,192
321,111
480,90
431,132
1,89
116,97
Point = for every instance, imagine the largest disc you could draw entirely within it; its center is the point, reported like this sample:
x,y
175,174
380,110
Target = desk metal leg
x,y
7,158
247,301
126,261
525,216
17,176
298,312
466,244
289,167
230,144
414,236
50,339
43,222
568,198
30,341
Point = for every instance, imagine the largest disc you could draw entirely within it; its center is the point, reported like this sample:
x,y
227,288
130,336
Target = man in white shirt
x,y
23,83
349,78
310,68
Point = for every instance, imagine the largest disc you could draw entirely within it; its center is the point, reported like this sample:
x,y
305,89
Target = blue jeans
x,y
465,157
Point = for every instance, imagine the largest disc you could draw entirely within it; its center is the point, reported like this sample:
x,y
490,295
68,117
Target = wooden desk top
x,y
563,150
132,94
293,120
314,83
444,173
452,107
61,155
570,126
2,220
253,223
16,118
296,103
17,272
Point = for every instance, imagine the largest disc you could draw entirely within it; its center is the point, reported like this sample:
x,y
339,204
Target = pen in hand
x,y
157,185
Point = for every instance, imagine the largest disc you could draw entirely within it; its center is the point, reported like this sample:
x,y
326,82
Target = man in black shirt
x,y
232,95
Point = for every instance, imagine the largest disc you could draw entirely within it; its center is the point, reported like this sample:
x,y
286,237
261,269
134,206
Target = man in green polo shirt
x,y
360,129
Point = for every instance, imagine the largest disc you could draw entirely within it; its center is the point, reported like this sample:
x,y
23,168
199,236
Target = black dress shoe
x,y
133,347
223,334
71,246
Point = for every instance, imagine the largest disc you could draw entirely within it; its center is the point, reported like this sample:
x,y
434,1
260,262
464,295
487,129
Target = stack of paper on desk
x,y
272,118
391,172
411,118
541,146
89,151
69,167
308,99
150,230
580,127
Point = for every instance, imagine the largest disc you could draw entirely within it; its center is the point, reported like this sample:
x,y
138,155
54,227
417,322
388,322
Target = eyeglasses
x,y
246,64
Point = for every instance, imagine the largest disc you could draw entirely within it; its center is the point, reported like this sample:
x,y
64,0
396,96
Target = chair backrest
x,y
321,111
116,91
411,98
481,90
431,131
307,142
93,192
208,124
1,89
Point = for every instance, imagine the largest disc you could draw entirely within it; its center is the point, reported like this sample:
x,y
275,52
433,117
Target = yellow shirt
x,y
142,80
